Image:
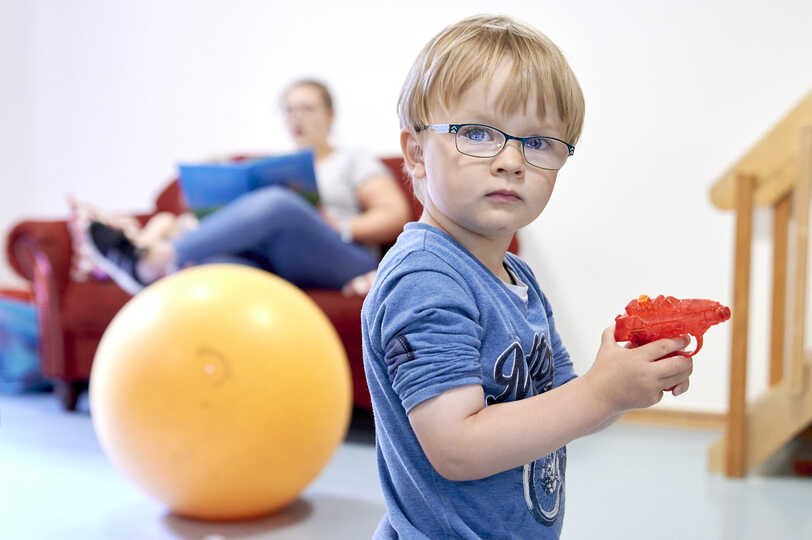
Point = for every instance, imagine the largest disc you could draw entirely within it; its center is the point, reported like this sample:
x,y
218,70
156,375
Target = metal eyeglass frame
x,y
454,128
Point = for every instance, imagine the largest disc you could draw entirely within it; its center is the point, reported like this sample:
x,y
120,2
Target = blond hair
x,y
470,51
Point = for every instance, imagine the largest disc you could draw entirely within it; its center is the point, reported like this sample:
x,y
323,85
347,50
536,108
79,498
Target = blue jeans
x,y
275,229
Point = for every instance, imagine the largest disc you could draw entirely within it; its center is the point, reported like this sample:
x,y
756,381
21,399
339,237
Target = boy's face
x,y
485,197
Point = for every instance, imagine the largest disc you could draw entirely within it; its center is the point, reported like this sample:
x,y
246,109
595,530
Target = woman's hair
x,y
470,51
326,96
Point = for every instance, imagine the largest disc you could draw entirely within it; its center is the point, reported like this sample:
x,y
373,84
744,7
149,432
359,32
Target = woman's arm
x,y
385,211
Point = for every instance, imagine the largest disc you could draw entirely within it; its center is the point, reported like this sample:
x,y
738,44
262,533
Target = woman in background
x,y
273,228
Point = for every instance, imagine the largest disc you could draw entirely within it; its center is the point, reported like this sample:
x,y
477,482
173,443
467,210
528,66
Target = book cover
x,y
209,186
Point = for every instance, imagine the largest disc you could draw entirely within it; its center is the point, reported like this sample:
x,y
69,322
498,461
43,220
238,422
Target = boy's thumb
x,y
608,336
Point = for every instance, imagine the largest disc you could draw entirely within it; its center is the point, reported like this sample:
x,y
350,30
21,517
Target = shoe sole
x,y
122,279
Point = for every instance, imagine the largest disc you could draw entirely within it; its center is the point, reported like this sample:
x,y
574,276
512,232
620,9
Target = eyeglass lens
x,y
485,141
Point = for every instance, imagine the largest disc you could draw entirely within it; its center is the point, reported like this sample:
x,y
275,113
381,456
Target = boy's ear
x,y
412,153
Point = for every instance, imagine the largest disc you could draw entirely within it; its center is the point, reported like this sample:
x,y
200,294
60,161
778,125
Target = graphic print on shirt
x,y
521,376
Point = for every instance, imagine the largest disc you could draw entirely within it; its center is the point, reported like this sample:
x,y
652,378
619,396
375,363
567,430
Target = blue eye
x,y
477,134
537,143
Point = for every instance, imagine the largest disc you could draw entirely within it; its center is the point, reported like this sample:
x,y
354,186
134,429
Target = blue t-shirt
x,y
438,319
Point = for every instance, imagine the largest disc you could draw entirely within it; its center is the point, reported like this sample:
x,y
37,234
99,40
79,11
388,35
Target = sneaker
x,y
114,253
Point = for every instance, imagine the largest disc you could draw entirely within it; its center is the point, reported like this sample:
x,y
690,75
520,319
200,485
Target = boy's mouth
x,y
504,195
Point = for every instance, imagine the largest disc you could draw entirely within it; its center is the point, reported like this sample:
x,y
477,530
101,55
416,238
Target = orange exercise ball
x,y
221,390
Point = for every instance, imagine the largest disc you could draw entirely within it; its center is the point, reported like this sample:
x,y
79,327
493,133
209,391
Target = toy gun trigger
x,y
698,339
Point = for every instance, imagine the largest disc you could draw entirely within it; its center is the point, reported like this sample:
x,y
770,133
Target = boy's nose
x,y
510,160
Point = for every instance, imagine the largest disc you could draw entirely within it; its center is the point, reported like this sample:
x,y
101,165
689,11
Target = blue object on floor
x,y
19,348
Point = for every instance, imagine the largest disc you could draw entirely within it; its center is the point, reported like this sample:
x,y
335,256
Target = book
x,y
206,187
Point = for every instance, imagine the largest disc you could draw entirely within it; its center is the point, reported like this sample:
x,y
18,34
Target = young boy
x,y
473,392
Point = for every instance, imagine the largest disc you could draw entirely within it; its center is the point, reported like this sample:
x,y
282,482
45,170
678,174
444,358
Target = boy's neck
x,y
489,251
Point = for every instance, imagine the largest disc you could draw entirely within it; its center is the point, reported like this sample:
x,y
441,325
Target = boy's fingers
x,y
673,382
663,347
673,369
681,388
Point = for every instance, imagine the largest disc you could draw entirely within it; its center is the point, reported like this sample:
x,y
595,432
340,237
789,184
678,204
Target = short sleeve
x,y
366,166
430,336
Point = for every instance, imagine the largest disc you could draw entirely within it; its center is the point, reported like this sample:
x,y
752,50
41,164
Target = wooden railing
x,y
776,173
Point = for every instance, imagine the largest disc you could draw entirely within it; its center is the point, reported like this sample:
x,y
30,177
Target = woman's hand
x,y
329,219
360,285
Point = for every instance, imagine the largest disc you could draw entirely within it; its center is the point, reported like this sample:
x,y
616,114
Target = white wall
x,y
16,103
102,98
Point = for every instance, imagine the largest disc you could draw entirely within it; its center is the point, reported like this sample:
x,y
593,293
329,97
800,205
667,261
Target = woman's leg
x,y
285,232
232,259
160,227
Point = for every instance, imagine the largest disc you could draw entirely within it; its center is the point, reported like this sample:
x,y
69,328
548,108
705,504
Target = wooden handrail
x,y
773,160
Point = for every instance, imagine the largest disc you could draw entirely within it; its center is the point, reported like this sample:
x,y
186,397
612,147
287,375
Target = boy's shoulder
x,y
422,259
421,247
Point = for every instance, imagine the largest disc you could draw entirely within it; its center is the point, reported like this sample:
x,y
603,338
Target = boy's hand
x,y
630,378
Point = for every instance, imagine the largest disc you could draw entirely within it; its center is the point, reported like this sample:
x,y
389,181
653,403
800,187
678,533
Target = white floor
x,y
627,482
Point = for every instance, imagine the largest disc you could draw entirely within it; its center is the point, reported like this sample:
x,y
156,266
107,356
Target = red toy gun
x,y
648,320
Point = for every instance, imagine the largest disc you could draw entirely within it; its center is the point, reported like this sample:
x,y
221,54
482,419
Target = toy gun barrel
x,y
667,317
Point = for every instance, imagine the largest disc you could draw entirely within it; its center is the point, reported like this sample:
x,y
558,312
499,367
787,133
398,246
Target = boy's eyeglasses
x,y
481,140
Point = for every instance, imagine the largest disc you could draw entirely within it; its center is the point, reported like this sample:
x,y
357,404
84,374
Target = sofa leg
x,y
68,393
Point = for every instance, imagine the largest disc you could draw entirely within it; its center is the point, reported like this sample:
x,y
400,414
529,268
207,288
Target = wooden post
x,y
736,430
778,329
801,211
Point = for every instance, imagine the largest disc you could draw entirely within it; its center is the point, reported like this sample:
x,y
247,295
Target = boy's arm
x,y
464,440
608,422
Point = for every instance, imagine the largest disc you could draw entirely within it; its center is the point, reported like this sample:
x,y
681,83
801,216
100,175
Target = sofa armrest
x,y
53,240
35,265
29,240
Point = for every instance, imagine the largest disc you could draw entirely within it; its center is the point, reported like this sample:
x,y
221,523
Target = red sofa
x,y
73,315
